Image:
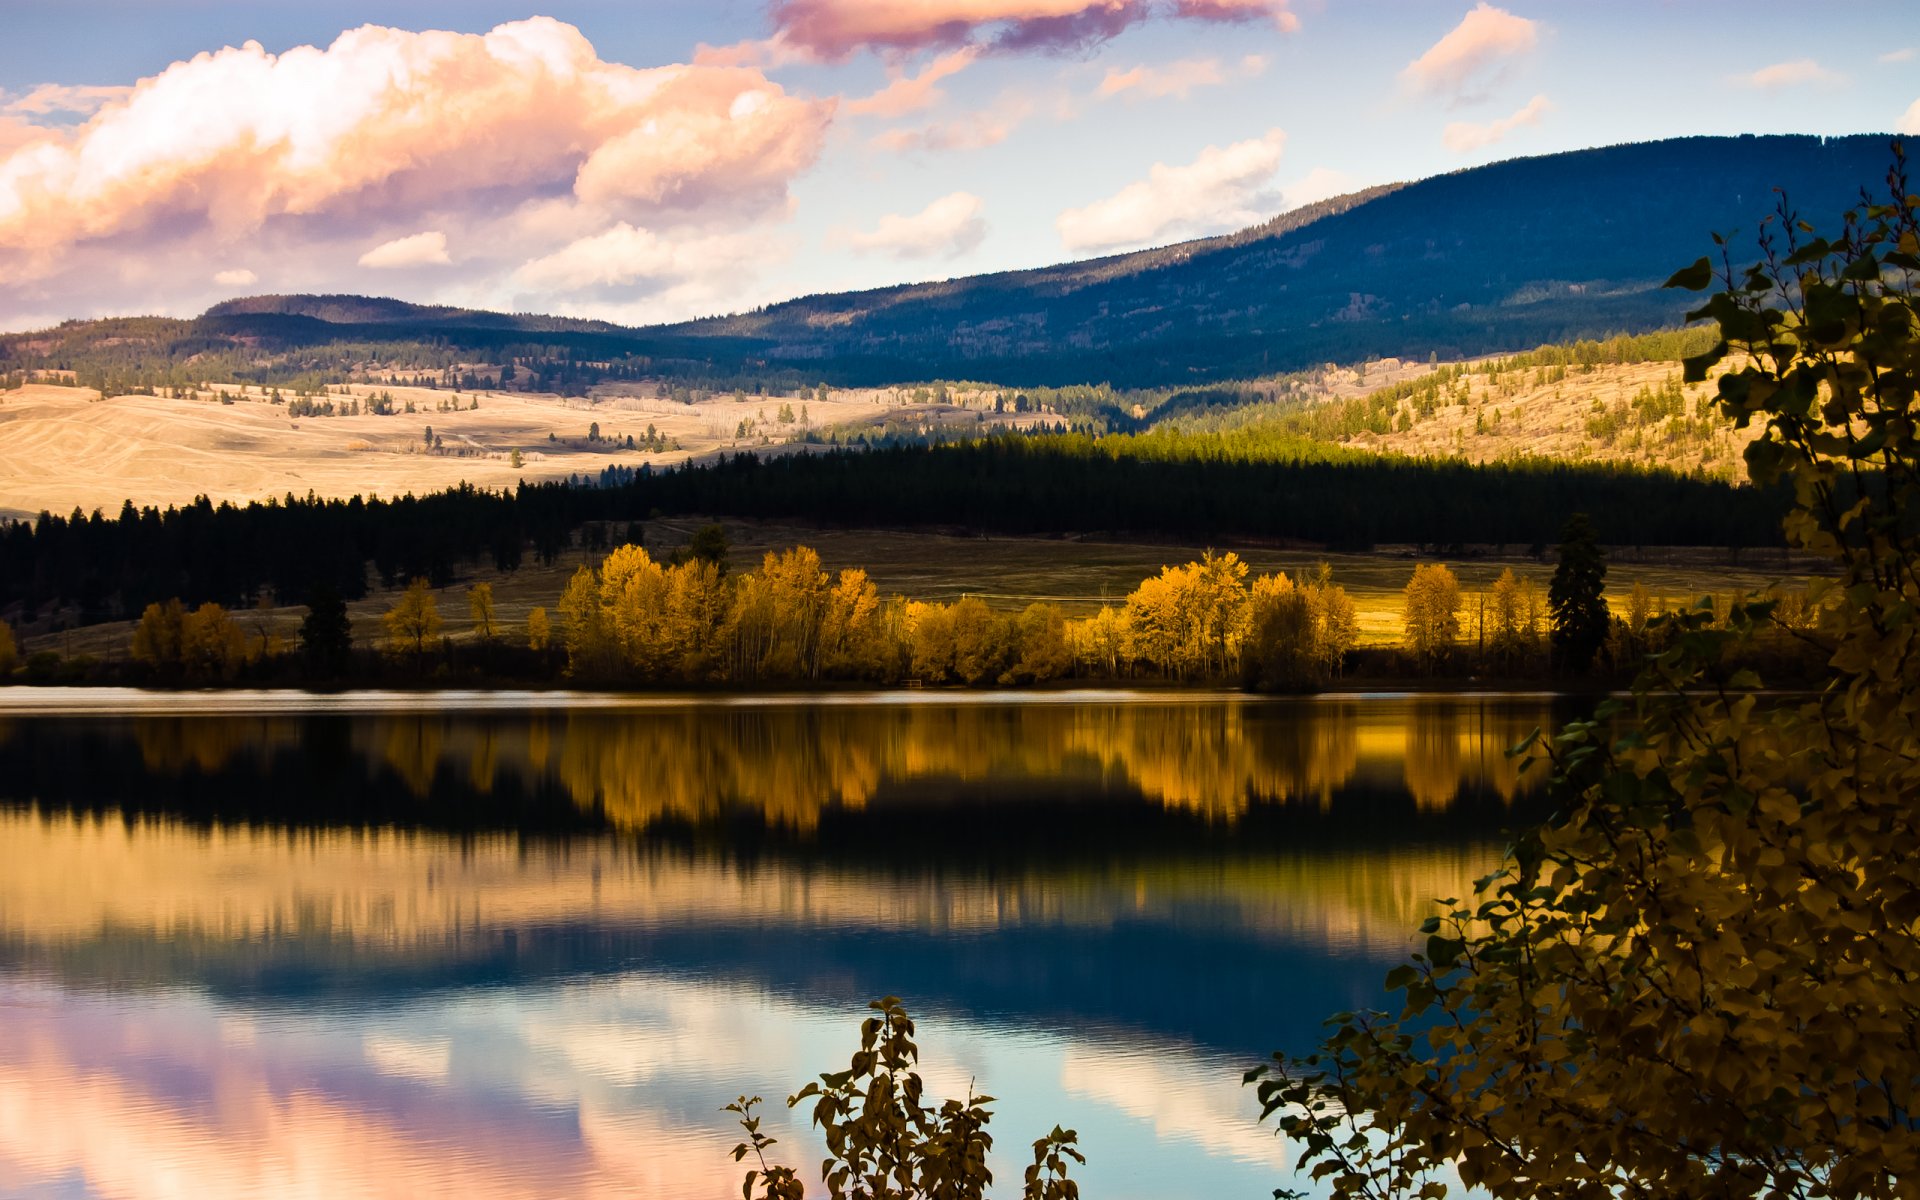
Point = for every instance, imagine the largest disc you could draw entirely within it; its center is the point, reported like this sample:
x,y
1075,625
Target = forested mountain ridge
x,y
1489,259
1485,260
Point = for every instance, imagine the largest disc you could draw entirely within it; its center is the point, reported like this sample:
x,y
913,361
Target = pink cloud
x,y
833,29
1463,137
1178,78
384,131
50,99
911,93
417,250
1475,48
1787,74
969,131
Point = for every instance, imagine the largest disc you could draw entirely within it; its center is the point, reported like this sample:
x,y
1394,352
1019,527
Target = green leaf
x,y
1696,278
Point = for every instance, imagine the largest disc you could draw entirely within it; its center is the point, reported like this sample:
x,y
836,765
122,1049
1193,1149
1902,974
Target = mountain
x,y
1492,258
1495,258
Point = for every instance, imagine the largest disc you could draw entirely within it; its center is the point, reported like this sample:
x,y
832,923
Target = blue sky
x,y
568,164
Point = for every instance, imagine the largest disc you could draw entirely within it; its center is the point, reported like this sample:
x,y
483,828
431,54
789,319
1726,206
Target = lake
x,y
485,944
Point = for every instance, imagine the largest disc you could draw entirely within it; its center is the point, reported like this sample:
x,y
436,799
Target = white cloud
x,y
625,257
1909,125
1787,74
238,277
1472,52
427,249
1903,54
1222,189
910,93
1463,137
496,141
1178,78
948,228
1321,183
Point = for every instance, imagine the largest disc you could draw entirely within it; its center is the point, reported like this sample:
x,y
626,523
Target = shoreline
x,y
114,700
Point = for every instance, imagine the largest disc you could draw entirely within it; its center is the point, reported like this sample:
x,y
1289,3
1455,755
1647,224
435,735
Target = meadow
x,y
1080,575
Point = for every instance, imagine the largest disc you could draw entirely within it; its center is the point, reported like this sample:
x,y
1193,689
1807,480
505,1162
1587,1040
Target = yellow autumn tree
x,y
587,640
480,606
1431,612
9,651
413,623
212,644
1099,643
157,637
852,640
539,630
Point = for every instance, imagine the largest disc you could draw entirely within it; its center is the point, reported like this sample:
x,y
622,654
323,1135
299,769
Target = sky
x,y
643,161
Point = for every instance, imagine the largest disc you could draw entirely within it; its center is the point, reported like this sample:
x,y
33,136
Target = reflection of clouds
x,y
427,1061
610,1089
1207,1110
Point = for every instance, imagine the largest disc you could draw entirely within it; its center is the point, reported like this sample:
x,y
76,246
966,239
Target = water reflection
x,y
484,954
790,764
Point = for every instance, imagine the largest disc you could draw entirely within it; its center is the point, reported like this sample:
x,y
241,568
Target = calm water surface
x,y
519,945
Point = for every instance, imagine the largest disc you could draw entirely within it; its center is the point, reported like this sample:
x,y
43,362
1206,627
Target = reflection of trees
x,y
1451,744
172,745
789,764
411,747
693,765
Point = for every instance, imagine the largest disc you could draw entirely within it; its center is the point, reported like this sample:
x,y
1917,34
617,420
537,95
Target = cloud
x,y
1178,78
624,256
947,228
830,30
238,277
1903,54
1463,137
969,131
518,133
1909,125
1321,183
1223,188
55,99
419,250
1472,53
911,93
1786,74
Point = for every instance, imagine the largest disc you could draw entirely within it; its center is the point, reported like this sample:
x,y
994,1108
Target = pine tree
x,y
326,635
1577,597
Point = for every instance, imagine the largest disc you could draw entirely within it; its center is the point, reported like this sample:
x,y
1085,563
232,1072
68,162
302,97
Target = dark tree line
x,y
111,567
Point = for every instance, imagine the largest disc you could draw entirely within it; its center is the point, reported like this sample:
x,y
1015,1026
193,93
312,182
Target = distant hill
x,y
1489,259
1493,258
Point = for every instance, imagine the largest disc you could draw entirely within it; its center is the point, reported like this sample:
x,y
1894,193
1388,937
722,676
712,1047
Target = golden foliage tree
x,y
539,630
480,606
1431,612
9,651
1702,979
157,638
852,629
587,641
212,644
413,623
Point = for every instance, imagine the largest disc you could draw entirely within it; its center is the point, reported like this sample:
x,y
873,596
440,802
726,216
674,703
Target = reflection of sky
x,y
599,1089
241,1008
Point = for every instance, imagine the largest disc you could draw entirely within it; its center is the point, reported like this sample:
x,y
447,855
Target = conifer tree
x,y
1577,597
